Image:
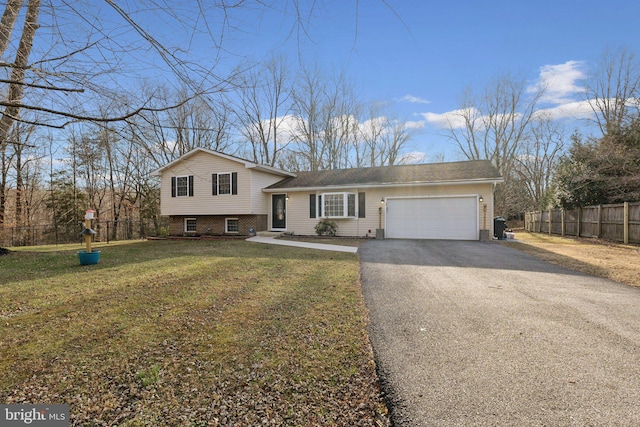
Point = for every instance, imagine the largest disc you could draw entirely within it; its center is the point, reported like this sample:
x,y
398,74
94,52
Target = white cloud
x,y
559,82
568,110
414,99
414,157
451,119
287,127
412,124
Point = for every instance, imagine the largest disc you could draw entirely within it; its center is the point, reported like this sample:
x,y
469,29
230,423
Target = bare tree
x,y
394,140
369,135
339,121
21,139
263,106
14,96
537,161
613,91
381,137
325,119
79,74
308,108
493,126
198,123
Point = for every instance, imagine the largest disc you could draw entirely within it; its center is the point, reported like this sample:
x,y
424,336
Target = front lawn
x,y
195,333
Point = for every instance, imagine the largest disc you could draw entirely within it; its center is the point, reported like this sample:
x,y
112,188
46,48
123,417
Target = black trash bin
x,y
499,226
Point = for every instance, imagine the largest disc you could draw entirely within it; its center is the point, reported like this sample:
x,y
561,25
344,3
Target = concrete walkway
x,y
324,247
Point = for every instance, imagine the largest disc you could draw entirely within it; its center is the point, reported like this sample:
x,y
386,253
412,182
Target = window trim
x,y
345,204
230,183
186,221
233,183
189,186
226,225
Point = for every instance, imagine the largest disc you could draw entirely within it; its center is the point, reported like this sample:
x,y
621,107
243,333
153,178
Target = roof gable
x,y
474,170
246,163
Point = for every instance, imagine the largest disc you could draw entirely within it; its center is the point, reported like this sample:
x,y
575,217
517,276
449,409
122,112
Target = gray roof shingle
x,y
473,170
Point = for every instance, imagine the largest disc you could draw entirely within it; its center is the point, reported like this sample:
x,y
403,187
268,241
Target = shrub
x,y
326,228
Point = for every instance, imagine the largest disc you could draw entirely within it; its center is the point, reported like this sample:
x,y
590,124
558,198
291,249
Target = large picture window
x,y
338,205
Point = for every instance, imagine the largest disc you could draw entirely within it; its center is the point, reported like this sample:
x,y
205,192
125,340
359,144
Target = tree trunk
x,y
9,19
16,88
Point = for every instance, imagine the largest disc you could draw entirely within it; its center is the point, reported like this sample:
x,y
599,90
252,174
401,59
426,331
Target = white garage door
x,y
450,218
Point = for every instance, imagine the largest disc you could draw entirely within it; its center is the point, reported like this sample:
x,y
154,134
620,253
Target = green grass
x,y
188,333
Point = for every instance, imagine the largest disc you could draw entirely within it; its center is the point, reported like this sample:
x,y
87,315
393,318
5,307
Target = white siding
x,y
261,202
249,200
298,220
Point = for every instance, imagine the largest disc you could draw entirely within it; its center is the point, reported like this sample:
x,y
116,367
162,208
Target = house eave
x,y
493,181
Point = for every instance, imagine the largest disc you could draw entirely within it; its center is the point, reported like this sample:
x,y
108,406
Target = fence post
x,y
579,220
540,223
549,221
626,223
533,222
599,221
562,222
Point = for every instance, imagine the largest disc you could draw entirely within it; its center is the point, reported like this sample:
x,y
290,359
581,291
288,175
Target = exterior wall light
x,y
481,199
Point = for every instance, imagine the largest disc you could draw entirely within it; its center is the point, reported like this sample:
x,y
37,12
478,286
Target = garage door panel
x,y
452,218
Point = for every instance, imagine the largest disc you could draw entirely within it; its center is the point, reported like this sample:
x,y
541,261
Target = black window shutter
x,y
361,205
173,186
234,183
214,184
312,205
190,185
320,205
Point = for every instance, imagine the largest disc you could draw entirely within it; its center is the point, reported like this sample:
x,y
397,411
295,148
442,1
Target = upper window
x,y
182,186
224,183
338,205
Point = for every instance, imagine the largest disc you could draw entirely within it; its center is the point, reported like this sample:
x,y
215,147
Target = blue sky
x,y
415,55
420,55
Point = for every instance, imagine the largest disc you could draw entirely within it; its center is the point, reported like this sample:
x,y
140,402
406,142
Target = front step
x,y
269,233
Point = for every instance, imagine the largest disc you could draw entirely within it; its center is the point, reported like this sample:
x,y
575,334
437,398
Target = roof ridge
x,y
459,171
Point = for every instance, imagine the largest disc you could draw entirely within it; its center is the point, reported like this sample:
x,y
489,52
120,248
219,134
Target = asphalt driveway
x,y
478,334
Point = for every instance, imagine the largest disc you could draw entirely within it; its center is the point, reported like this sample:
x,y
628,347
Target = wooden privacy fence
x,y
618,223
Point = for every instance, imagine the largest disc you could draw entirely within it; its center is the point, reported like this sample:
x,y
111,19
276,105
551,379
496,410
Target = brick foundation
x,y
214,225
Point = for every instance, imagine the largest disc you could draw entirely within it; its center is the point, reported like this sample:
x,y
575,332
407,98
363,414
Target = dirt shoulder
x,y
595,257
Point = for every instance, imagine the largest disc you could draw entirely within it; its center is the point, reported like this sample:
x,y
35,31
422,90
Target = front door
x,y
279,211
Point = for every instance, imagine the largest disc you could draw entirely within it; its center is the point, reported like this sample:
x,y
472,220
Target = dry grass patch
x,y
595,257
189,333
